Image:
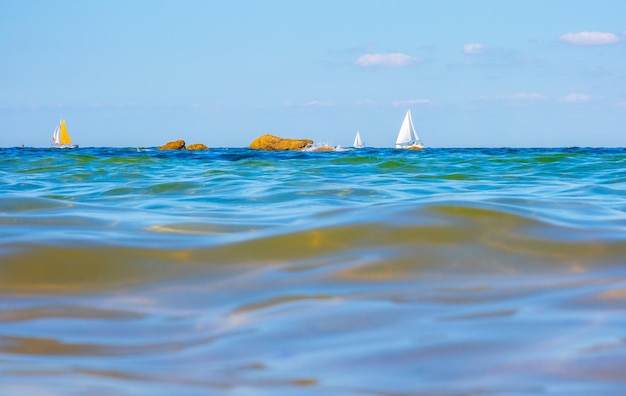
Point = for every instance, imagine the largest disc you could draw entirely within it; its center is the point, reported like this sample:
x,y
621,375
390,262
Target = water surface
x,y
361,272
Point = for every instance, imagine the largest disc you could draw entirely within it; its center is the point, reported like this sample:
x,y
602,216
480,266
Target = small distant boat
x,y
60,137
407,137
358,143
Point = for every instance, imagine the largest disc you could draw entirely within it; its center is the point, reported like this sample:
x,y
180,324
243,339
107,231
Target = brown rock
x,y
175,145
271,142
324,148
197,146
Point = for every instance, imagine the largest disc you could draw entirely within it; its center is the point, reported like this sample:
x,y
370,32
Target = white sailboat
x,y
407,137
358,143
60,137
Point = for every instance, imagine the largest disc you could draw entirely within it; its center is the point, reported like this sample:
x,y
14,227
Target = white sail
x,y
55,135
407,137
358,143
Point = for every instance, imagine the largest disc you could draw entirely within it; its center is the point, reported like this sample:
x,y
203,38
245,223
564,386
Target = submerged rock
x,y
175,145
197,146
274,143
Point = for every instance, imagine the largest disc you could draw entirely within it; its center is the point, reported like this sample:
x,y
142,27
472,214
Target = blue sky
x,y
474,73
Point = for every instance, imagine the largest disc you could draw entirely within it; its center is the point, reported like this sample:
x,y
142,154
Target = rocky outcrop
x,y
197,146
275,143
180,145
175,145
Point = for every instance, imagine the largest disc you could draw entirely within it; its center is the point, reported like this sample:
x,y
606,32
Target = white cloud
x,y
589,38
527,96
391,59
575,97
366,102
474,48
317,103
411,102
311,103
518,96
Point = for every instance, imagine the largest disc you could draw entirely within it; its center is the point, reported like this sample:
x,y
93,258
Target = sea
x,y
483,271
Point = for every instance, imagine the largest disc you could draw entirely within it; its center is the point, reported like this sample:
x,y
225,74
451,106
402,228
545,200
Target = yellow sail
x,y
64,136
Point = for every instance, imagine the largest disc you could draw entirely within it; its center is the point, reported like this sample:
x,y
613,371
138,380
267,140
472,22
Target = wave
x,y
390,243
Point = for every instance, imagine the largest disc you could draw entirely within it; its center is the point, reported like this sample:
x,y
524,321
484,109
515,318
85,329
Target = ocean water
x,y
360,272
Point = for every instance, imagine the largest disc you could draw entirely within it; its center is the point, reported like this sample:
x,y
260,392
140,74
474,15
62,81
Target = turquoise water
x,y
361,272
